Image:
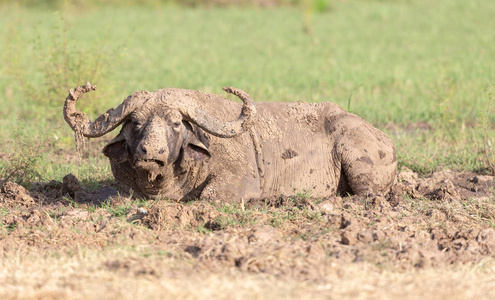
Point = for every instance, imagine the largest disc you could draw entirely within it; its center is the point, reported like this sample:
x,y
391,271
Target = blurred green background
x,y
422,71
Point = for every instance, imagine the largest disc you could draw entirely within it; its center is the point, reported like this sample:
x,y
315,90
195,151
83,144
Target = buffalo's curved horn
x,y
227,129
103,124
83,128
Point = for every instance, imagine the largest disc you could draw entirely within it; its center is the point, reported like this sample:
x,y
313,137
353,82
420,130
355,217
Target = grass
x,y
394,63
395,76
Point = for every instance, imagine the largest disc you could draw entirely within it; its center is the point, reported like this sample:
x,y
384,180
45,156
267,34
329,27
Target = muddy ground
x,y
438,222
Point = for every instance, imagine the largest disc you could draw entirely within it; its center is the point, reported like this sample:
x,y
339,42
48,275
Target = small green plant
x,y
302,197
202,229
303,194
276,222
313,215
4,211
24,160
234,216
309,8
487,145
72,203
117,210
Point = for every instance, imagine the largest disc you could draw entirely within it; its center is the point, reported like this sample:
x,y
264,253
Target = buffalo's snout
x,y
146,151
143,150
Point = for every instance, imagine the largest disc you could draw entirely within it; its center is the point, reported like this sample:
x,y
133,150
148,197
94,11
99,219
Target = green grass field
x,y
422,71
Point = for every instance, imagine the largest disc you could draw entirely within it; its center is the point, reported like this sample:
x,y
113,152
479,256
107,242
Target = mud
x,y
443,219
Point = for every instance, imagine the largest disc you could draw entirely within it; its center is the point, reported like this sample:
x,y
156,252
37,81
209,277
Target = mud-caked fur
x,y
183,144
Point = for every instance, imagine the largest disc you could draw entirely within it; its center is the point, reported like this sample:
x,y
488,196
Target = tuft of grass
x,y
234,216
72,203
487,144
201,228
24,162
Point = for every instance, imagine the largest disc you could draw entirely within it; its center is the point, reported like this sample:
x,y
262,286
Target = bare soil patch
x,y
438,222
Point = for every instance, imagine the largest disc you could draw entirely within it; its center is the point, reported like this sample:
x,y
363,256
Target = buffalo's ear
x,y
116,149
197,151
197,144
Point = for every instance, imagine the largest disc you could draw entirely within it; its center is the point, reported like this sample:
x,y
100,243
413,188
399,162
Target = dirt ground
x,y
432,237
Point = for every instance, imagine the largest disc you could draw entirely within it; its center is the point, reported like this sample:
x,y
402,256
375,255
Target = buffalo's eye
x,y
137,124
176,125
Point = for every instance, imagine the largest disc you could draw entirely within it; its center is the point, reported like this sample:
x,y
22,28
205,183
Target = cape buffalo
x,y
183,144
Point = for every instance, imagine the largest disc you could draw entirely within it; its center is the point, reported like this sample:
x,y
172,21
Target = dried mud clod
x,y
71,184
162,215
14,195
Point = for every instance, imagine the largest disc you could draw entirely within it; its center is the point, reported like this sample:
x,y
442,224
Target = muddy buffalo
x,y
184,144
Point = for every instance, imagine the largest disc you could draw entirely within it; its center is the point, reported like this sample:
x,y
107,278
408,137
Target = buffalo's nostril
x,y
143,148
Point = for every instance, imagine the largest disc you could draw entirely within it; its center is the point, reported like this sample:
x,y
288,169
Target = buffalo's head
x,y
162,142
